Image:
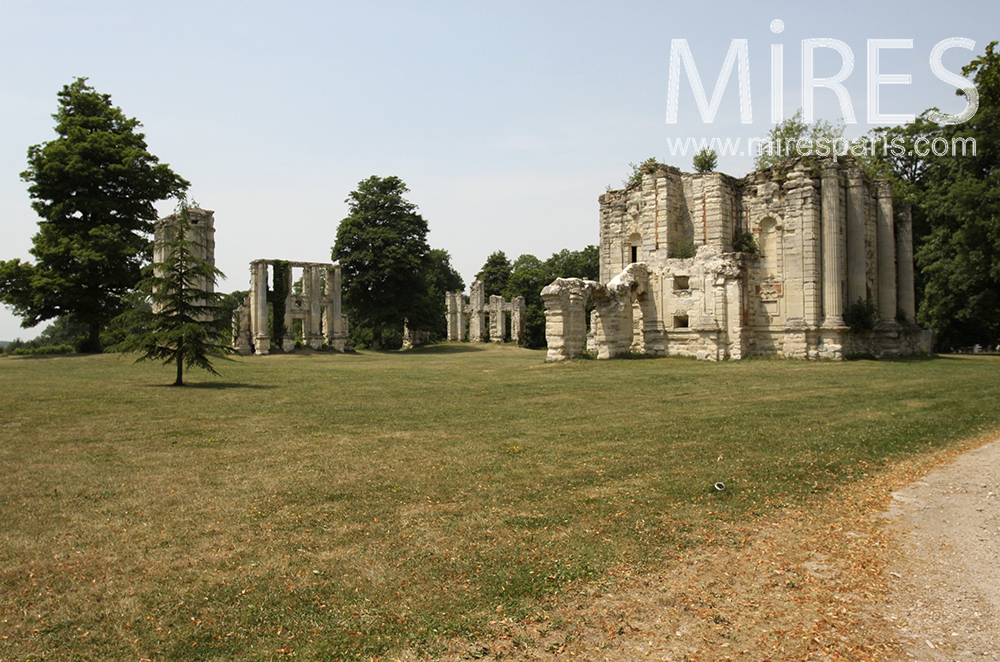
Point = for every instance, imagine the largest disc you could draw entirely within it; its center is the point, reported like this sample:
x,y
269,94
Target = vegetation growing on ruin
x,y
861,315
705,160
744,242
683,249
350,506
276,294
647,167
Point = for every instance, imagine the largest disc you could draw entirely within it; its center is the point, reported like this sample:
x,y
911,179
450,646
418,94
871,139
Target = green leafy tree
x,y
495,273
94,187
955,198
575,264
795,137
382,249
62,331
186,325
529,276
706,160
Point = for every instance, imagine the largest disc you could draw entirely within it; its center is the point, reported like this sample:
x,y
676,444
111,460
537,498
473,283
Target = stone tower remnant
x,y
201,235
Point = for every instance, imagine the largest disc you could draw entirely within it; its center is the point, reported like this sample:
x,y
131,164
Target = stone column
x,y
886,256
335,322
477,304
518,311
904,264
498,326
856,258
612,321
451,316
566,317
311,291
833,291
258,299
288,342
460,316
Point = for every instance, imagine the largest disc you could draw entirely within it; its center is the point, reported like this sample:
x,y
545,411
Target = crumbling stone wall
x,y
318,307
566,317
826,236
485,321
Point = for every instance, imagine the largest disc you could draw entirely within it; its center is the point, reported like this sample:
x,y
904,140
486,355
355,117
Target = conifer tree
x,y
186,324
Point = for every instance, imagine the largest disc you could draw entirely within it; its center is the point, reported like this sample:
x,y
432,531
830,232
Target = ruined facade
x,y
673,282
480,320
312,310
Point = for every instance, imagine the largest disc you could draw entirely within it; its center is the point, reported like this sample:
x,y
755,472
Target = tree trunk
x,y
376,338
93,343
180,372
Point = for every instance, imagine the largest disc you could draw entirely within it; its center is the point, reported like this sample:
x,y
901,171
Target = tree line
x,y
95,185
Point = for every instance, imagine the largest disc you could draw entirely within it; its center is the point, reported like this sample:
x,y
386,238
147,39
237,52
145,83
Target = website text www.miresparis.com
x,y
860,147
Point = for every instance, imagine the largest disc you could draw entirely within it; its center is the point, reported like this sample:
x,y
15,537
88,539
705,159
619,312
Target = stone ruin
x,y
315,308
479,321
672,283
201,235
311,308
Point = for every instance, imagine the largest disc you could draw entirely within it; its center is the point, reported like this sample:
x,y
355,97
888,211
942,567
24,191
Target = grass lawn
x,y
341,507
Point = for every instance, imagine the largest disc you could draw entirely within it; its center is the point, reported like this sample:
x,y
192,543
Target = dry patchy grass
x,y
349,507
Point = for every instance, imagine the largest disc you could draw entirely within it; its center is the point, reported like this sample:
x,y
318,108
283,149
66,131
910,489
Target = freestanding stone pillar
x,y
498,321
477,304
311,292
517,318
833,293
856,259
288,342
904,264
454,316
886,256
258,294
335,324
566,317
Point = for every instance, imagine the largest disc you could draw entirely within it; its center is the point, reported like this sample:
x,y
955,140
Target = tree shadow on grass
x,y
443,349
33,357
214,386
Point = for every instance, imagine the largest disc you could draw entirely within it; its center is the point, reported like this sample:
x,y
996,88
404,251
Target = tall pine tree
x,y
188,320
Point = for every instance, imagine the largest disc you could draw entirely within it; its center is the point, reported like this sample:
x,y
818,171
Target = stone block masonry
x,y
825,235
480,320
316,306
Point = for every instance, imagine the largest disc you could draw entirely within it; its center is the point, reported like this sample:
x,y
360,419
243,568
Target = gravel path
x,y
945,578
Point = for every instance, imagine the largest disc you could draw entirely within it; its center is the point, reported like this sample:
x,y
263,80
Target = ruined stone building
x,y
479,320
201,235
305,297
310,310
673,282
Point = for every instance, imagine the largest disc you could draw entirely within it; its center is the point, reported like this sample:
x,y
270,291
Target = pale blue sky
x,y
507,120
